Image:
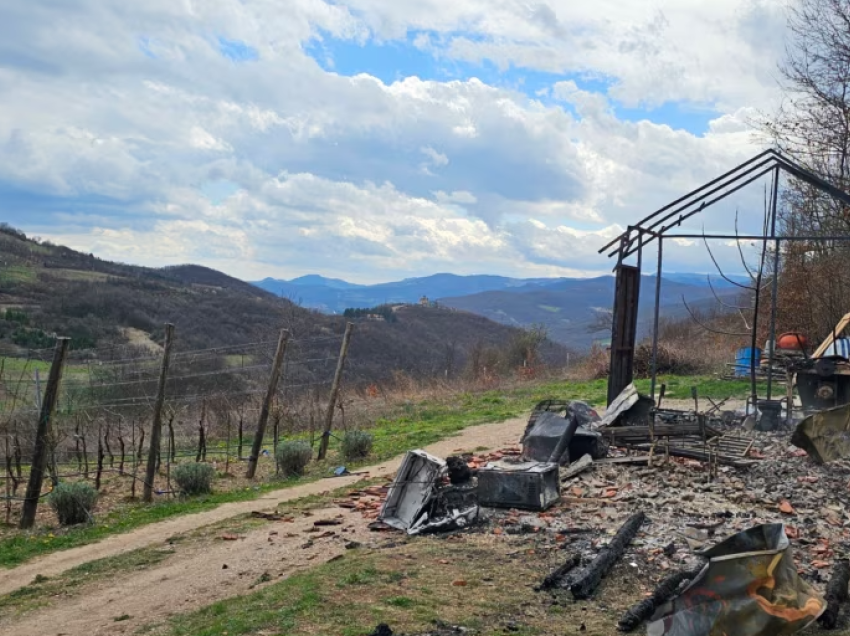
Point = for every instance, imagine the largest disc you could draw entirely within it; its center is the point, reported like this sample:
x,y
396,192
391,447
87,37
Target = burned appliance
x,y
823,383
418,500
527,485
546,428
412,489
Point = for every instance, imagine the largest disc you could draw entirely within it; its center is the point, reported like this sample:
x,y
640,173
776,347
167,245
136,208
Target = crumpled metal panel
x,y
749,587
825,435
412,489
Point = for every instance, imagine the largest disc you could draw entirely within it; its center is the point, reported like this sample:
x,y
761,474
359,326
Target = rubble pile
x,y
664,514
686,508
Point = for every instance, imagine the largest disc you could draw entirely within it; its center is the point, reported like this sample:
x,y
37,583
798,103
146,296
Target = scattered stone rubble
x,y
690,506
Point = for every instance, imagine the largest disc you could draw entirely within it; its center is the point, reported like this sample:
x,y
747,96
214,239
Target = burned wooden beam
x,y
577,467
687,429
668,588
588,580
836,593
556,578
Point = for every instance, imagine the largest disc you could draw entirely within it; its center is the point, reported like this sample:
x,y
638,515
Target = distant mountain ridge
x,y
568,307
104,306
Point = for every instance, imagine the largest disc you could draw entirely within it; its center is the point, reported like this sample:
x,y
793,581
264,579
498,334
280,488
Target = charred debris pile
x,y
734,526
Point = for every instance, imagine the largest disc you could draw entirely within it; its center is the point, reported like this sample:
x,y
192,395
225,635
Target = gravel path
x,y
195,576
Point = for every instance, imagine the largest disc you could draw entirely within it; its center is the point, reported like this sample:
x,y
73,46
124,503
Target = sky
x,y
373,140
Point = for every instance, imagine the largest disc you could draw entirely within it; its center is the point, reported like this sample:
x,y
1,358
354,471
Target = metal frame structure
x,y
659,225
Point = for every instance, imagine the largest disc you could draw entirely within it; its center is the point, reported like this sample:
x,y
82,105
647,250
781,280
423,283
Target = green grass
x,y
679,388
13,367
17,274
417,425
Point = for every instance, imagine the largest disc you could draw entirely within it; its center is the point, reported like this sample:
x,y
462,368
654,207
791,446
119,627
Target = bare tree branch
x,y
706,327
717,265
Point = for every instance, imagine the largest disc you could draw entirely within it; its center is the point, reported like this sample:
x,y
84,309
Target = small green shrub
x,y
293,457
356,445
73,502
194,479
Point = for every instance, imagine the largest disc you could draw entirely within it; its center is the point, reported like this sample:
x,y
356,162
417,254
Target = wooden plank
x,y
579,466
838,331
634,459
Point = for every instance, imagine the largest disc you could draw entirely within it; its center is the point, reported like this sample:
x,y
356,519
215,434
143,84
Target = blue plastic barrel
x,y
743,358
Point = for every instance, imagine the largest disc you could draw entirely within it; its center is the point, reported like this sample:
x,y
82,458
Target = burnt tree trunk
x,y
836,593
556,578
589,579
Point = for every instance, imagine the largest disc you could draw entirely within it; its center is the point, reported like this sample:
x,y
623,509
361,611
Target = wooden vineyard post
x,y
156,426
329,416
42,435
8,480
264,411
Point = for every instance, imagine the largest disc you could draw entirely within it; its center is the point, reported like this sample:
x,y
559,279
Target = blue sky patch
x,y
144,44
396,60
218,191
236,50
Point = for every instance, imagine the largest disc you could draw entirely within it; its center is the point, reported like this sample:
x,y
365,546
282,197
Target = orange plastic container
x,y
791,340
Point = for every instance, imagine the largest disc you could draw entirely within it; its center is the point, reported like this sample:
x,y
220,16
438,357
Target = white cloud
x,y
121,112
459,196
200,138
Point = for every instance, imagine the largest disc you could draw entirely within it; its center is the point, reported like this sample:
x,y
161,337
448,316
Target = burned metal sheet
x,y
543,438
825,435
750,586
627,399
412,489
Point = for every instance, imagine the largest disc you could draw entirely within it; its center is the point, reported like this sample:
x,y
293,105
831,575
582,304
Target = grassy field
x,y
414,424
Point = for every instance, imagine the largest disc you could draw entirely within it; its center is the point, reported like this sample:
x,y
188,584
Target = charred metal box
x,y
528,485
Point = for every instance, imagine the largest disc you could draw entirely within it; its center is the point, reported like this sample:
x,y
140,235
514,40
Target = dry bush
x,y
194,479
356,445
73,502
593,366
293,457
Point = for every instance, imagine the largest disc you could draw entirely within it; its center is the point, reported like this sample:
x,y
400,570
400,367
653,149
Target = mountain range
x,y
570,308
105,307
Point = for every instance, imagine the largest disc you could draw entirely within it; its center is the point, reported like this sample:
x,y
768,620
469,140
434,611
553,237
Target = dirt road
x,y
195,576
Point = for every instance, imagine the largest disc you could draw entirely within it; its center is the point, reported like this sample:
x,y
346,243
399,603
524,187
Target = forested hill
x,y
48,290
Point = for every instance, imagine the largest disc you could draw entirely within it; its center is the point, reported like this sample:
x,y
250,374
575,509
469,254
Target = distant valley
x,y
568,307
